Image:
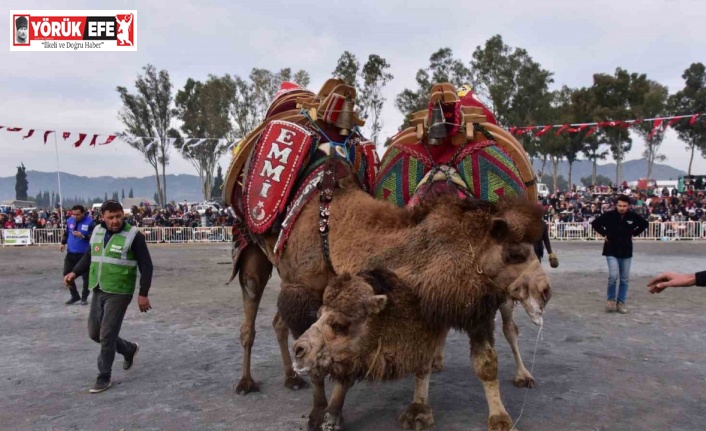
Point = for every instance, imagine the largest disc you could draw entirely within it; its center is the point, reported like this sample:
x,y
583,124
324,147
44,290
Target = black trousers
x,y
70,261
104,322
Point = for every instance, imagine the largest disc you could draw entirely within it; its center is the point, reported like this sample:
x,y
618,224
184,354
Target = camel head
x,y
506,256
338,337
492,242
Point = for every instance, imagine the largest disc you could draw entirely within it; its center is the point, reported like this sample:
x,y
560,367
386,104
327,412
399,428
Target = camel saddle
x,y
456,141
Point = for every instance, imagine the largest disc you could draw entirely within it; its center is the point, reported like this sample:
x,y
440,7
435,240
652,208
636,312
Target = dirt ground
x,y
595,371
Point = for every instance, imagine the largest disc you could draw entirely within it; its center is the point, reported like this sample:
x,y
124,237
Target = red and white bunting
x,y
657,123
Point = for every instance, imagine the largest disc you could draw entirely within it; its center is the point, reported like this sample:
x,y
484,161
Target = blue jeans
x,y
618,268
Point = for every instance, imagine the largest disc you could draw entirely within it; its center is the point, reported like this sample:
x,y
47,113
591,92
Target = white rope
x,y
524,401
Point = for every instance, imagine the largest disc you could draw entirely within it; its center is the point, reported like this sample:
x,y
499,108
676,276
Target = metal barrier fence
x,y
665,231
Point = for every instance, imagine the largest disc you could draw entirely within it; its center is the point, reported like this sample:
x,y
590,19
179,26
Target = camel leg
x,y
485,363
523,378
292,380
254,272
418,415
438,364
333,415
318,392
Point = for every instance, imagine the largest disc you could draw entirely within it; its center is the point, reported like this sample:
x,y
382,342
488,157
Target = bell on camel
x,y
344,121
437,128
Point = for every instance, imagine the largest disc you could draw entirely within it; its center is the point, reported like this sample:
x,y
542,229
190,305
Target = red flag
x,y
512,130
46,135
14,129
81,137
591,131
66,135
544,130
109,140
93,141
562,129
673,121
655,127
1,127
31,132
692,120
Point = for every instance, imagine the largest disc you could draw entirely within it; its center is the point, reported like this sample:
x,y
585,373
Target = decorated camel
x,y
357,232
455,146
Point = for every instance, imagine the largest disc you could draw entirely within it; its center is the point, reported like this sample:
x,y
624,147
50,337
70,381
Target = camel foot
x,y
500,422
417,417
295,383
524,380
245,386
331,422
316,418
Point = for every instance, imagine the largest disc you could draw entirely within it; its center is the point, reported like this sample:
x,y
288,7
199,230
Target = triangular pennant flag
x,y
655,126
692,120
81,137
46,135
1,127
109,140
93,141
544,130
672,122
591,131
66,135
151,144
31,132
14,129
561,129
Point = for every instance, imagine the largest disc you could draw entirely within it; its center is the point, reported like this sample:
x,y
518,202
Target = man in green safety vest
x,y
117,251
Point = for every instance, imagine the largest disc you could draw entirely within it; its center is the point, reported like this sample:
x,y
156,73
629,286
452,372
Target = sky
x,y
75,91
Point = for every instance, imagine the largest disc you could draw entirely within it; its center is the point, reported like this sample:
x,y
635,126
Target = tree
x,y
618,97
155,196
217,183
580,108
115,197
21,183
105,197
131,194
347,69
204,112
370,97
250,100
443,67
654,105
149,113
598,180
123,194
514,85
690,100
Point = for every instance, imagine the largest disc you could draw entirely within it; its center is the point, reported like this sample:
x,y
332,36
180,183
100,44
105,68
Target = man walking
x,y
76,236
618,227
117,251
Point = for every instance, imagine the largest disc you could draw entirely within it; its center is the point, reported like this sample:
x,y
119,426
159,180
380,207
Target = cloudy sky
x,y
75,91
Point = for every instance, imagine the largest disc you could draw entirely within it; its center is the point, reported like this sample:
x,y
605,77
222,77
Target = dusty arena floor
x,y
595,371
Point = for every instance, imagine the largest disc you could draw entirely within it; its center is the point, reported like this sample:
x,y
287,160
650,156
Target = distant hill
x,y
632,170
179,187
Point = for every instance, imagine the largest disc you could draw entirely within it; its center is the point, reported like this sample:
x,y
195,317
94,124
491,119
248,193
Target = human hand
x,y
62,248
553,260
670,279
68,278
144,303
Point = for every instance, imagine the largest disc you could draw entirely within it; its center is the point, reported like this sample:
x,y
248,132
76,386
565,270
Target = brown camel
x,y
458,256
364,332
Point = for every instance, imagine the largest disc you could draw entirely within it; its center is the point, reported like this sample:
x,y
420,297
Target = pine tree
x,y
131,195
105,197
123,194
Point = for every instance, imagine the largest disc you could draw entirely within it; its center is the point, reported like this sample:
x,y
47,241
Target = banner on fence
x,y
17,236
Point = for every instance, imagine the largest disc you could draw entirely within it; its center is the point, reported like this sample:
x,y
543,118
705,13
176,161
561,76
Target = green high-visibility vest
x,y
113,267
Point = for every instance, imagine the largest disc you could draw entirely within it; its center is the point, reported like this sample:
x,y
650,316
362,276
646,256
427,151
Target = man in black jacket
x,y
619,227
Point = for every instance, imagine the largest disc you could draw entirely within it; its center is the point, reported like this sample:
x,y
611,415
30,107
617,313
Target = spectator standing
x,y
75,241
618,227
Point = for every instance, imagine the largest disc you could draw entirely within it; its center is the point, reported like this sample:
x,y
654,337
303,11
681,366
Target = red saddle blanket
x,y
282,150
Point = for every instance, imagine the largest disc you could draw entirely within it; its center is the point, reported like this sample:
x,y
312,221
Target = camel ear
x,y
499,228
376,304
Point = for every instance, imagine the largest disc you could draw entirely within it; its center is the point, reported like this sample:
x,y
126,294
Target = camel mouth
x,y
300,369
534,310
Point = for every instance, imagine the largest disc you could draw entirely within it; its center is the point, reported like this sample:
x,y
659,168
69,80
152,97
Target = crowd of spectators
x,y
173,215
